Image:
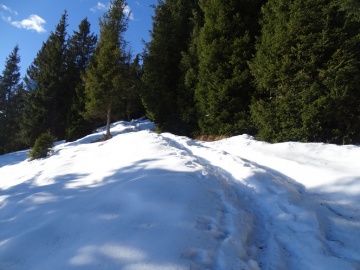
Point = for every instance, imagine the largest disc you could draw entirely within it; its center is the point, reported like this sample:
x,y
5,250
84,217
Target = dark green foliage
x,y
165,98
190,69
42,146
47,106
306,71
133,107
225,45
11,103
32,117
81,46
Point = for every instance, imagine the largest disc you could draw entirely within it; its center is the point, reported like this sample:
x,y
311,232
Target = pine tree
x,y
42,146
306,55
106,76
190,69
164,95
81,46
226,44
47,106
11,99
132,98
32,122
341,75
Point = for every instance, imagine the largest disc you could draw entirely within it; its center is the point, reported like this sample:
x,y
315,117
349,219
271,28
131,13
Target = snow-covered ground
x,y
145,201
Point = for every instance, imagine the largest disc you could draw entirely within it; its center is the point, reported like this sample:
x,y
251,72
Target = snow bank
x,y
158,201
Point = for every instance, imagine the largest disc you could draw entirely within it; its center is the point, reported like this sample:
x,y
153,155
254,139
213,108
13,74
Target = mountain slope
x,y
158,201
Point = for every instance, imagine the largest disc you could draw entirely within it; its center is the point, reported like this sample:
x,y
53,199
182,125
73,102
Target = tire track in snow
x,y
269,219
231,225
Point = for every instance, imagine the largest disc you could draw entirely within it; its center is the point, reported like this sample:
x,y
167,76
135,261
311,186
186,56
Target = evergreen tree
x,y
32,122
190,69
164,95
341,75
10,76
132,98
47,106
81,46
106,76
306,55
226,44
2,94
43,146
11,96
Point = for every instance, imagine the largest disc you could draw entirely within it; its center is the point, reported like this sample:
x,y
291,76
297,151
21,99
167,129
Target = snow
x,y
144,201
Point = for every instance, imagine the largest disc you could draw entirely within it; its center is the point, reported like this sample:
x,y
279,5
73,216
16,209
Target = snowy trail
x,y
148,201
282,217
233,225
329,175
90,206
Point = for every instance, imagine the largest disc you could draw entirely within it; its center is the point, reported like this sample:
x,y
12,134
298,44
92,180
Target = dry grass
x,y
210,138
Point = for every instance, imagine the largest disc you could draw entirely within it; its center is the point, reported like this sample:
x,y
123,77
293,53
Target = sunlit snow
x,y
144,201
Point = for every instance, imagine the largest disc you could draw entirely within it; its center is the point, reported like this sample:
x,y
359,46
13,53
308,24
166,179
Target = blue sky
x,y
28,23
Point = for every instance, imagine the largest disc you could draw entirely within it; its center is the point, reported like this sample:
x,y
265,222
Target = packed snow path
x,y
158,201
287,226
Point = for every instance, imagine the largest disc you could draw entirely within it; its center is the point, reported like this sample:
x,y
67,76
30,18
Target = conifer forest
x,y
280,70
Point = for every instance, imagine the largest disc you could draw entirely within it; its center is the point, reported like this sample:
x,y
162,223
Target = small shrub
x,y
42,146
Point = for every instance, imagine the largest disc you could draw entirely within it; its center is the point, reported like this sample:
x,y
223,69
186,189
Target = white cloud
x,y
34,22
100,7
6,13
6,8
104,7
5,18
128,12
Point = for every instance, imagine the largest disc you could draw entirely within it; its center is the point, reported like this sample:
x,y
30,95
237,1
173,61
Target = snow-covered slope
x,y
158,201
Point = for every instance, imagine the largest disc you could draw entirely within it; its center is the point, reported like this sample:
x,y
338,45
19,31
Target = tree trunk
x,y
108,121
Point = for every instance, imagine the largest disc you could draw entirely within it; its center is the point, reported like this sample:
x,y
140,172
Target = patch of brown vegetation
x,y
210,138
